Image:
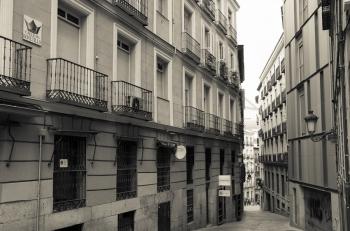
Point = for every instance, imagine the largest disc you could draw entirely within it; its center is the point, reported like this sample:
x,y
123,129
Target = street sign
x,y
224,193
63,163
224,180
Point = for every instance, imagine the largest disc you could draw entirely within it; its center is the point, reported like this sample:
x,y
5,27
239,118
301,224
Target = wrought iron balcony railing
x,y
191,47
223,70
208,7
212,123
194,118
131,100
222,21
209,61
227,127
136,8
232,34
71,83
233,80
15,67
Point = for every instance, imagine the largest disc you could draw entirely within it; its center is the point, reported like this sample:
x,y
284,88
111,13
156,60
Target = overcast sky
x,y
259,26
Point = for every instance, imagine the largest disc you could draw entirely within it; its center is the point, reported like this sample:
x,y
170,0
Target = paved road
x,y
256,220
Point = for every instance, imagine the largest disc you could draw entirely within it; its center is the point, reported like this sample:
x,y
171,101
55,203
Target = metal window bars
x,y
190,164
126,221
135,8
15,66
71,83
194,118
191,47
69,183
163,169
129,99
126,170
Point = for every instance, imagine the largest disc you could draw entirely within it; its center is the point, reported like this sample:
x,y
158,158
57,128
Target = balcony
x,y
208,7
222,21
213,123
233,80
232,34
273,79
227,127
274,133
194,118
191,47
284,127
15,67
131,100
209,61
283,66
136,8
223,70
278,72
278,100
284,96
269,86
239,130
73,84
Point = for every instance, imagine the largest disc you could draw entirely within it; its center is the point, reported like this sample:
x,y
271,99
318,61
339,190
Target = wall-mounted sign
x,y
63,163
224,193
32,30
224,180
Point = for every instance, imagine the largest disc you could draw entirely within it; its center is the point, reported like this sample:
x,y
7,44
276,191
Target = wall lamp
x,y
311,121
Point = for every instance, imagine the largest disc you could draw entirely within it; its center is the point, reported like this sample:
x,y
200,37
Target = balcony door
x,y
188,21
124,59
68,35
206,99
188,91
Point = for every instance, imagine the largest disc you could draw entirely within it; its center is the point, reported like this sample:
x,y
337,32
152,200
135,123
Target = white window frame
x,y
90,29
220,92
159,54
204,42
118,29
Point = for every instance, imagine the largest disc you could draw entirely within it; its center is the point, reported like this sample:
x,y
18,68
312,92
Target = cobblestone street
x,y
256,220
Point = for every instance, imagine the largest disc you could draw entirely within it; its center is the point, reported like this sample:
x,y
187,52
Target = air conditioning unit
x,y
134,102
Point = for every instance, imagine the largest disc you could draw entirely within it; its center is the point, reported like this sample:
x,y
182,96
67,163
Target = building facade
x,y
250,160
312,165
273,133
97,97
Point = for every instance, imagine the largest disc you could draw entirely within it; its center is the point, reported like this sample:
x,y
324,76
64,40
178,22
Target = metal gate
x,y
164,216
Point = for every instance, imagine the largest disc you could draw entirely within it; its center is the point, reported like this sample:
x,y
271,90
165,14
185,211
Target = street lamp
x,y
311,121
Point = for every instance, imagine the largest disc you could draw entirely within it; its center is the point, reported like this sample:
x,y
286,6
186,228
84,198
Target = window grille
x,y
126,221
207,163
69,184
189,206
163,169
126,170
190,164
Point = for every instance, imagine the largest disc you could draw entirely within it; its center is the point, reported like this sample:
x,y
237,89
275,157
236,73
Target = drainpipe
x,y
41,137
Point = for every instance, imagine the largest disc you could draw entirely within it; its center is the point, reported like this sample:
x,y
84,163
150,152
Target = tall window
x,y
207,38
272,182
229,17
278,183
206,99
303,11
69,176
124,59
162,7
188,91
301,61
188,21
302,109
222,161
126,170
163,168
231,61
283,185
221,50
126,221
162,83
189,206
189,164
232,111
207,163
221,105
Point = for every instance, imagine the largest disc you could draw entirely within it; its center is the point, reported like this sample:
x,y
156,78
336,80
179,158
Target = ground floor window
x,y
189,206
69,173
163,168
126,221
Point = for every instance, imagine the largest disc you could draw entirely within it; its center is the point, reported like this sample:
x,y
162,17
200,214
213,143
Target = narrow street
x,y
256,220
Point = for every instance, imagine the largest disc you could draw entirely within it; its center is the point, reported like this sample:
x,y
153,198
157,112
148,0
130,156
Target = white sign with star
x,y
32,30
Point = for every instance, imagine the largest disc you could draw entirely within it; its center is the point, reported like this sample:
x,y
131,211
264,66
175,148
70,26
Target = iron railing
x,y
129,99
209,61
126,170
194,118
191,47
212,123
209,7
223,70
239,128
71,83
228,127
69,183
222,21
15,66
136,8
232,34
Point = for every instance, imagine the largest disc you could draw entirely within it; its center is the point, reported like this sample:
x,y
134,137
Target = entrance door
x,y
221,210
164,216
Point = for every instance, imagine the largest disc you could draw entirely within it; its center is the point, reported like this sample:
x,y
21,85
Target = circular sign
x,y
180,152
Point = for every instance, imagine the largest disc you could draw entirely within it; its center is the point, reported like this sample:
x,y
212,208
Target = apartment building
x,y
273,132
97,99
312,159
250,161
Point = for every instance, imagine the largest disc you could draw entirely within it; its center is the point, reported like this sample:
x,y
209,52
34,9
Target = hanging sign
x,y
224,193
224,180
32,30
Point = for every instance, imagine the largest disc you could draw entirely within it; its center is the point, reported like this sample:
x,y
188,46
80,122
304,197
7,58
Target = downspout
x,y
41,137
